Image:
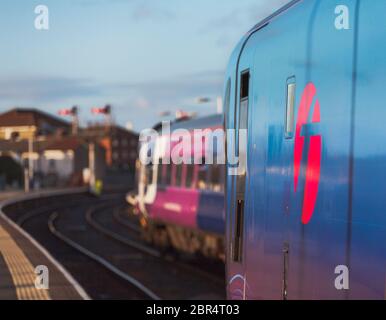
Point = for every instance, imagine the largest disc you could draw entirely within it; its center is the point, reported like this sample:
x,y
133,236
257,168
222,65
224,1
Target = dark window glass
x,y
241,178
168,177
243,125
239,228
202,181
189,175
149,174
178,175
227,101
216,179
160,175
244,85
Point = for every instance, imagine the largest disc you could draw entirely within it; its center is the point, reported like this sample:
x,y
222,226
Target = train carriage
x,y
306,217
182,204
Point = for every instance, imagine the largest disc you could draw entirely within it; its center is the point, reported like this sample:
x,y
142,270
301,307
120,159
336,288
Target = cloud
x,y
251,14
140,10
146,100
186,84
42,89
228,24
260,10
183,89
141,102
87,3
146,12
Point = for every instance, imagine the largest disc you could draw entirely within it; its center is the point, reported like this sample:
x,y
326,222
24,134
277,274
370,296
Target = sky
x,y
144,57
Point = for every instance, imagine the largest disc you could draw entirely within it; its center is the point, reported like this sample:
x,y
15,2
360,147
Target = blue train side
x,y
307,220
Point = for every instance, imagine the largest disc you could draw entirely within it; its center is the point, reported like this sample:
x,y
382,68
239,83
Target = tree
x,y
11,170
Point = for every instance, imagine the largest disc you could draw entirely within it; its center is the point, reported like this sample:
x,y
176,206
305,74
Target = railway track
x,y
109,264
218,278
98,259
125,222
93,277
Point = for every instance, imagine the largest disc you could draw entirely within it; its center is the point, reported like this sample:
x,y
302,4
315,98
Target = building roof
x,y
21,146
103,131
29,117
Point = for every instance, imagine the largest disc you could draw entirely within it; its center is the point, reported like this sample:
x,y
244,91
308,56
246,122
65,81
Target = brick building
x,y
30,123
121,145
44,142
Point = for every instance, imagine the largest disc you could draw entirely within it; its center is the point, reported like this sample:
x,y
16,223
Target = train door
x,y
271,56
297,199
238,177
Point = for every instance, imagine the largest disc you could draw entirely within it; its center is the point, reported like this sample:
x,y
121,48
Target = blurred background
x,y
132,62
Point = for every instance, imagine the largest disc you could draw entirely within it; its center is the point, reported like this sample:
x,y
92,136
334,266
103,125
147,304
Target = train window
x,y
178,171
227,101
189,175
164,174
160,175
149,174
196,169
243,125
215,178
242,170
168,177
244,90
202,182
222,176
290,108
173,175
183,176
239,227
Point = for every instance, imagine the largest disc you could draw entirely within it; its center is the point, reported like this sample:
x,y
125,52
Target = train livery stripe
x,y
177,206
211,215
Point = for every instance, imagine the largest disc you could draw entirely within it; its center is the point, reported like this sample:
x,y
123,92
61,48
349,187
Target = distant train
x,y
306,216
182,205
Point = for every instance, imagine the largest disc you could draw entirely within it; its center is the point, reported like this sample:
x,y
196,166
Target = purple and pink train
x,y
182,205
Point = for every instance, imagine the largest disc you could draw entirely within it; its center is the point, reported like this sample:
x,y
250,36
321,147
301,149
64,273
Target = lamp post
x,y
30,157
29,169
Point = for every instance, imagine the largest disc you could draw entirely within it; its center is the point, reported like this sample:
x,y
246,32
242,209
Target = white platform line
x,y
58,265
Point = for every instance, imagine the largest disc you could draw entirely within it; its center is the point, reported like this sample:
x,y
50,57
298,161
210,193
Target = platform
x,y
20,254
10,194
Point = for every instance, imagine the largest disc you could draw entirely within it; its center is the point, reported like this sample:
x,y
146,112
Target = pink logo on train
x,y
312,171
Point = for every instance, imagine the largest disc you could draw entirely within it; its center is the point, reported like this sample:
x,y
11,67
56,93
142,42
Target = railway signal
x,y
106,111
73,112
